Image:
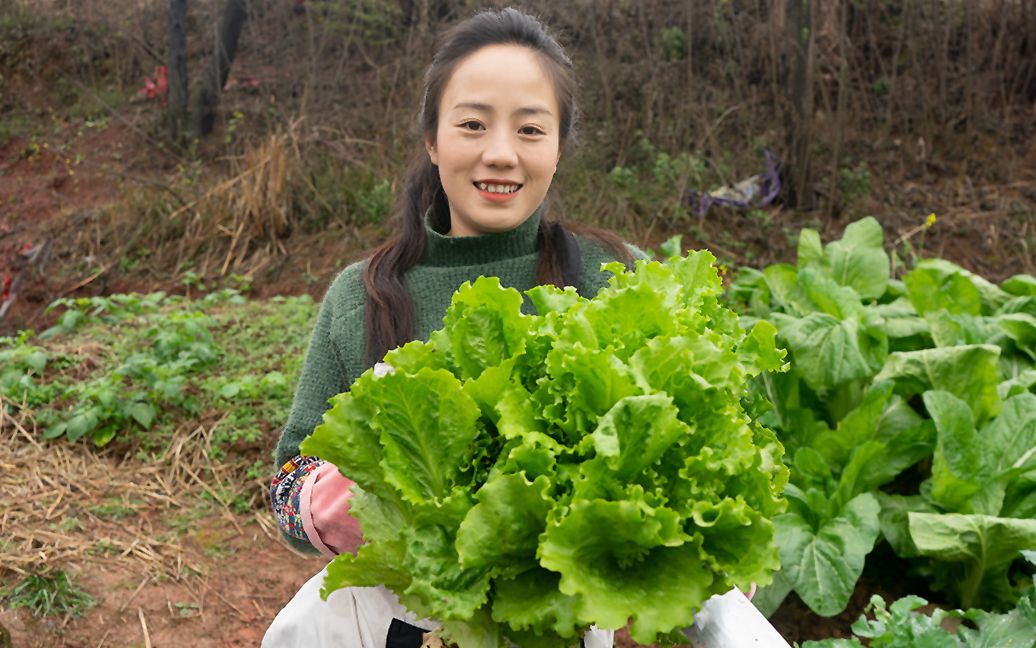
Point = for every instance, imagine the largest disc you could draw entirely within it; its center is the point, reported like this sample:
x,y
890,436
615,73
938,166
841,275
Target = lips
x,y
496,190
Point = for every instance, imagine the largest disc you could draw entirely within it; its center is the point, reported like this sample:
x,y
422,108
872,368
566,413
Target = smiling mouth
x,y
497,188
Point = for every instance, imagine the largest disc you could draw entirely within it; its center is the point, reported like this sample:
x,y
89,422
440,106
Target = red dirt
x,y
247,582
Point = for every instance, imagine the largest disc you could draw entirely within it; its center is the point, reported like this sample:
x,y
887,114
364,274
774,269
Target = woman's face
x,y
497,144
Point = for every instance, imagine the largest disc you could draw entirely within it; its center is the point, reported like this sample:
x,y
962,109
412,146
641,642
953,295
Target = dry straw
x,y
52,492
252,211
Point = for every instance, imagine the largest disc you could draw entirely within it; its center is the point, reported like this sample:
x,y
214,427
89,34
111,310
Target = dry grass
x,y
251,211
45,483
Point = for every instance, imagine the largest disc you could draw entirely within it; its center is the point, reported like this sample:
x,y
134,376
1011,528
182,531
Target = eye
x,y
471,125
531,130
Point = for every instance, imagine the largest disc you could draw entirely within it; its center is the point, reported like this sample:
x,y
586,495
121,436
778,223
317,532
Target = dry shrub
x,y
253,210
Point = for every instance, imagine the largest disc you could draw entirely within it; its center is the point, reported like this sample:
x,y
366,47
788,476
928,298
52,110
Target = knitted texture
x,y
337,350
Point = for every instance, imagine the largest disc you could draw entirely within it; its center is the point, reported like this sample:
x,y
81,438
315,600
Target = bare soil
x,y
162,561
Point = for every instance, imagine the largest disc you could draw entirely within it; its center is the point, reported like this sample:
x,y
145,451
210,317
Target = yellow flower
x,y
930,220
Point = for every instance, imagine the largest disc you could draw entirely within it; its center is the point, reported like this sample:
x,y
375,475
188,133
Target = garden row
x,y
907,413
908,417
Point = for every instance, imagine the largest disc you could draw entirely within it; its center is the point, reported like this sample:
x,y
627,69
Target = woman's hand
x,y
329,526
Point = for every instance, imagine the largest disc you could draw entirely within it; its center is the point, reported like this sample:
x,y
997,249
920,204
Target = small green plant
x,y
49,594
674,44
191,280
20,363
251,387
224,296
110,309
240,283
22,366
113,509
655,182
105,547
68,524
186,610
623,177
855,182
152,379
376,203
233,125
902,624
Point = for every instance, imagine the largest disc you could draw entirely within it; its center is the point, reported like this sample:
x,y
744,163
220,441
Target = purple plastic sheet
x,y
751,193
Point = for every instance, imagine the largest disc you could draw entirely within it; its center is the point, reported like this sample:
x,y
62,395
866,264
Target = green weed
x,y
674,44
855,182
52,594
376,203
653,183
186,610
113,509
220,358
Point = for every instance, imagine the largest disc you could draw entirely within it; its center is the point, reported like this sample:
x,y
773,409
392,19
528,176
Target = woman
x,y
497,112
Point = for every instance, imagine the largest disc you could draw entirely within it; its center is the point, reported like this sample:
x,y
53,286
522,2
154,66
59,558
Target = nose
x,y
500,150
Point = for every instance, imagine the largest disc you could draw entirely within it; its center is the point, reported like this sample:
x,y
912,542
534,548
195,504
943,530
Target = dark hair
x,y
389,317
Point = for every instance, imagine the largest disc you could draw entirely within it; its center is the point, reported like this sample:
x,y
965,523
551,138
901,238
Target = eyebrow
x,y
524,110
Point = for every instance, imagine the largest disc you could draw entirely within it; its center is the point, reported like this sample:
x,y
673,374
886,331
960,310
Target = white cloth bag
x,y
354,617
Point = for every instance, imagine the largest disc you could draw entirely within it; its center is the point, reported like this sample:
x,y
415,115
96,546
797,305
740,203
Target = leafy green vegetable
x,y
823,564
857,260
984,547
923,386
901,625
526,476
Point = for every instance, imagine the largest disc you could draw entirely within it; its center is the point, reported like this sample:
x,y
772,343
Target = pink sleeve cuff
x,y
306,510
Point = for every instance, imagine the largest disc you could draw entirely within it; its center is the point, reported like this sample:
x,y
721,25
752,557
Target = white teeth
x,y
497,188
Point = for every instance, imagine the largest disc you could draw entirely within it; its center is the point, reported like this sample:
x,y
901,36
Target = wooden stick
x,y
143,626
101,642
134,594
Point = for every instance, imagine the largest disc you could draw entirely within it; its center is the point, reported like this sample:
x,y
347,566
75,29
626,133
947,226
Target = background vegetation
x,y
875,107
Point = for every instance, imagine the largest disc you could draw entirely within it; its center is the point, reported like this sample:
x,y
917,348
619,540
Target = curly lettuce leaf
x,y
635,432
485,326
426,424
533,602
624,561
503,529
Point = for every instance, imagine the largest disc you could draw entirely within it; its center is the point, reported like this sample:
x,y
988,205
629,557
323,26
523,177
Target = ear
x,y
433,153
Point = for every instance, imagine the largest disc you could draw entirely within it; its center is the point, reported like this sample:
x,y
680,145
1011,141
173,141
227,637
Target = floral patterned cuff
x,y
286,494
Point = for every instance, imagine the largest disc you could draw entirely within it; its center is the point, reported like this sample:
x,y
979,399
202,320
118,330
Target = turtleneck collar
x,y
443,250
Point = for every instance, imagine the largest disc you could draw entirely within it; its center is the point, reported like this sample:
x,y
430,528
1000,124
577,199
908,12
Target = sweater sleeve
x,y
324,374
